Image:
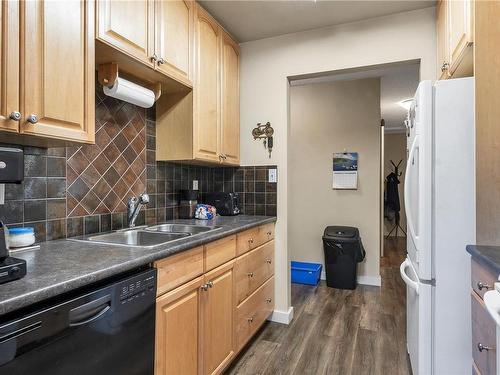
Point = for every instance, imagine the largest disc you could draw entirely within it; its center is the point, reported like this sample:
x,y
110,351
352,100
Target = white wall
x,y
327,118
266,64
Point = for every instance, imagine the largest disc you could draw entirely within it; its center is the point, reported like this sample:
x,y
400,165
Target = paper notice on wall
x,y
345,170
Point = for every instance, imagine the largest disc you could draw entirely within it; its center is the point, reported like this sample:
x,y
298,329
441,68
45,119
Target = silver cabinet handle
x,y
250,320
154,58
210,284
269,261
32,119
15,115
250,274
269,300
445,67
269,233
482,286
250,240
161,61
482,347
204,287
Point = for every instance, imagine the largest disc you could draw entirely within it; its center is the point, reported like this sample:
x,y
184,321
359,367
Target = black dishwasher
x,y
108,331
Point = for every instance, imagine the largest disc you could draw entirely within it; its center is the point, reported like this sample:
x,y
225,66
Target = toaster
x,y
227,204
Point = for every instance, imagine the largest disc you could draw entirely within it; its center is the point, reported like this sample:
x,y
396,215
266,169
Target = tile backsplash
x,y
84,189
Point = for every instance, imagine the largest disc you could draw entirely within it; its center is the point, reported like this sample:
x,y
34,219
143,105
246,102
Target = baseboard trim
x,y
363,280
284,317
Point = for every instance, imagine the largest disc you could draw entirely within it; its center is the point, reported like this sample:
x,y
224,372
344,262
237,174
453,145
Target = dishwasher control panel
x,y
137,287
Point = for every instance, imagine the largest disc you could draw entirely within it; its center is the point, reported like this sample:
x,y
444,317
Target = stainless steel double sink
x,y
147,237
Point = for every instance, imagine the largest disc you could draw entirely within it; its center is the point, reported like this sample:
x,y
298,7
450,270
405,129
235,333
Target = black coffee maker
x,y
11,171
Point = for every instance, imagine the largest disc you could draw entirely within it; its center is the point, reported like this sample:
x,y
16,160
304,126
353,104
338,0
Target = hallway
x,y
338,331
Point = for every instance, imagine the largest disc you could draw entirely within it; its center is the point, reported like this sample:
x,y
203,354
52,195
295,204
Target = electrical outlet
x,y
195,184
273,175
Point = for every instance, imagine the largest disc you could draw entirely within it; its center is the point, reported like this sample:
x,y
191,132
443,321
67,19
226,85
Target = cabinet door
x,y
128,26
230,101
217,318
443,58
460,29
207,88
9,65
177,330
174,37
57,70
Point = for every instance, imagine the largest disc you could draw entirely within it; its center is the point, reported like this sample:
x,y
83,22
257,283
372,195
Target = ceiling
x,y
397,82
252,20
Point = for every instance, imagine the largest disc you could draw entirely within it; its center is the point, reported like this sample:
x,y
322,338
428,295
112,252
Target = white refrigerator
x,y
439,194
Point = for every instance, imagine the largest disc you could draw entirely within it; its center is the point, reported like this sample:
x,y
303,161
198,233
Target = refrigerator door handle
x,y
492,302
402,270
408,177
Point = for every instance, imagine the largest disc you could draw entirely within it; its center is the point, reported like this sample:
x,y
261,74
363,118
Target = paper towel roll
x,y
131,92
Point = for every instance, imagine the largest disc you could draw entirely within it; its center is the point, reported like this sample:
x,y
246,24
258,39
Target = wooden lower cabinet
x,y
177,330
217,319
200,323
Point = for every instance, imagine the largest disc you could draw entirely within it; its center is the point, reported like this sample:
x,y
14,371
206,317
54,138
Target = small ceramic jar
x,y
21,237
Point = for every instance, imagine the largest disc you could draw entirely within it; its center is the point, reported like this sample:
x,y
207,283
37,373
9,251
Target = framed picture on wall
x,y
345,170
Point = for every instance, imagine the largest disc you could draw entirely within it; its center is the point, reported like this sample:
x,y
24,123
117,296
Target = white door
x,y
418,181
418,320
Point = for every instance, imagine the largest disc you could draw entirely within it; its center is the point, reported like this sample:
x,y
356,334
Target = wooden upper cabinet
x,y
9,66
460,29
177,330
217,319
174,33
442,39
455,38
230,101
57,70
206,88
128,26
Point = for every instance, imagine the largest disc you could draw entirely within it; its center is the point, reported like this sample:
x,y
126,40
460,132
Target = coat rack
x,y
397,216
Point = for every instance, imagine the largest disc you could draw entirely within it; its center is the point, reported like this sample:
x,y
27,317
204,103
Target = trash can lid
x,y
341,232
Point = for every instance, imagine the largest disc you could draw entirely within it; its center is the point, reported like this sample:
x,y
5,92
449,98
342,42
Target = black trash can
x,y
343,251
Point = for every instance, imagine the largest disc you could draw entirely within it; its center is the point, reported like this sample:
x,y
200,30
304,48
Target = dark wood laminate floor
x,y
337,331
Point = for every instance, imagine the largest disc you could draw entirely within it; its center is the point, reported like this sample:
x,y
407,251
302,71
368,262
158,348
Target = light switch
x,y
195,184
272,175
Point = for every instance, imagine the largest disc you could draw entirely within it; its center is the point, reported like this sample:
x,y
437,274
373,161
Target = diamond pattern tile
x,y
101,177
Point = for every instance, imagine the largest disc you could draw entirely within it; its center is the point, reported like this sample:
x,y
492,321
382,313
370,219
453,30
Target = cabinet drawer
x,y
253,312
219,252
482,275
252,269
253,238
179,268
483,332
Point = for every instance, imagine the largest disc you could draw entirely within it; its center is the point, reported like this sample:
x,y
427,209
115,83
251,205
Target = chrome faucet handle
x,y
144,198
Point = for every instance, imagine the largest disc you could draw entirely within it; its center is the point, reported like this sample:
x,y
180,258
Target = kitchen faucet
x,y
133,207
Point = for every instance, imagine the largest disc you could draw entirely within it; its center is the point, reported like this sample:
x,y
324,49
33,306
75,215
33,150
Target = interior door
x,y
57,70
10,114
418,320
230,101
217,319
207,87
174,30
128,26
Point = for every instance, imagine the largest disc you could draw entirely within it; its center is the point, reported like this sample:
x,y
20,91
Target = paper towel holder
x,y
108,73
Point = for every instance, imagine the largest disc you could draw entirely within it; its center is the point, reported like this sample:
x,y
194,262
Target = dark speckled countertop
x,y
488,255
65,265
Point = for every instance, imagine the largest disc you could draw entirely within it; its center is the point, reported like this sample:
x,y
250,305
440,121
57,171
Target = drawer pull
x,y
482,286
250,241
481,347
210,284
250,274
269,261
204,287
269,233
269,300
250,320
